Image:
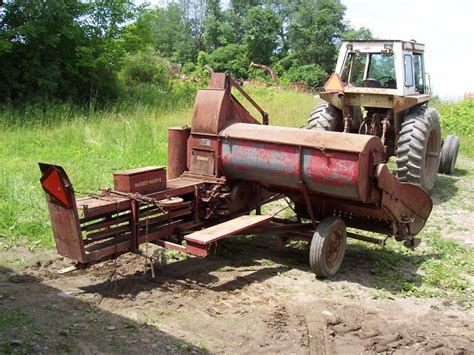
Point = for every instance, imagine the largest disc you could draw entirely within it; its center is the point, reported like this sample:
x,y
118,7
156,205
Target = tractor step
x,y
219,231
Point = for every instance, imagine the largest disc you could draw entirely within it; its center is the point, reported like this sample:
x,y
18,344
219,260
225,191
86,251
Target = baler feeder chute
x,y
226,166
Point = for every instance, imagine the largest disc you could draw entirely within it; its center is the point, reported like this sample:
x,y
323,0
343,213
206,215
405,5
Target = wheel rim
x,y
431,157
333,249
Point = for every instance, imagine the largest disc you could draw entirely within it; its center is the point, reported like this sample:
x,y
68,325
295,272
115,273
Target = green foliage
x,y
146,68
315,30
232,59
310,75
214,29
74,50
362,33
261,28
458,118
169,30
62,49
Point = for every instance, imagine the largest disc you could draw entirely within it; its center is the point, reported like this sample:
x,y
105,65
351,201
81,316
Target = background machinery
x,y
221,171
380,88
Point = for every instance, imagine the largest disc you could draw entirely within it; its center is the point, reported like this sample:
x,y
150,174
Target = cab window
x,y
382,69
419,73
354,69
408,65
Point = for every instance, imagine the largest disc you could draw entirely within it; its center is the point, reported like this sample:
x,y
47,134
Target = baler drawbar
x,y
223,168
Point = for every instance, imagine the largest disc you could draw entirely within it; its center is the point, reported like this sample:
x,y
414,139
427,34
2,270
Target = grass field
x,y
91,146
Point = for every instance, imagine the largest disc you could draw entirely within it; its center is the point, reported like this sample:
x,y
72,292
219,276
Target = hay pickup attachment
x,y
228,165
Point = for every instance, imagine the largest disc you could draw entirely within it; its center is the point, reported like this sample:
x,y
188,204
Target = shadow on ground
x,y
447,186
259,259
35,318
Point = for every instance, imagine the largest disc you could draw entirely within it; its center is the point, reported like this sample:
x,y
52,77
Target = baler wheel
x,y
449,155
326,117
328,247
419,147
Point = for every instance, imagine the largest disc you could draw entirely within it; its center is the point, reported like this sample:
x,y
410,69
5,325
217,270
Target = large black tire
x,y
419,147
328,247
326,117
449,155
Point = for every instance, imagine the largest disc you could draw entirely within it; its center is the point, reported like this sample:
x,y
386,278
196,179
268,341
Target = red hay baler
x,y
223,168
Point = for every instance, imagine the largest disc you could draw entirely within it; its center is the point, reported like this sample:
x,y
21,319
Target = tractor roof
x,y
407,45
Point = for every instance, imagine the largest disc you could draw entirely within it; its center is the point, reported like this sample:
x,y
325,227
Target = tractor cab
x,y
394,67
380,88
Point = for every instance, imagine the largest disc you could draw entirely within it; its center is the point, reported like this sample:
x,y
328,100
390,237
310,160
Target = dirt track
x,y
249,298
250,301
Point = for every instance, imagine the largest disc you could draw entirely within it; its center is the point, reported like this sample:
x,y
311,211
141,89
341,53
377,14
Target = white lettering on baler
x,y
148,182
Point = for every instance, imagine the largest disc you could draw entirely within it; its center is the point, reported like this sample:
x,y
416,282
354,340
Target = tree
x,y
362,33
261,28
241,7
285,10
232,59
315,31
170,32
61,48
213,25
195,13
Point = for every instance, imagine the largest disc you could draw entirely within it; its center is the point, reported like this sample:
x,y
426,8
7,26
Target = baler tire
x,y
328,247
449,155
419,148
325,117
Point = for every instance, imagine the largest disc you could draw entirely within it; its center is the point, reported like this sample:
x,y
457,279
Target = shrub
x,y
310,75
458,118
197,69
146,68
231,59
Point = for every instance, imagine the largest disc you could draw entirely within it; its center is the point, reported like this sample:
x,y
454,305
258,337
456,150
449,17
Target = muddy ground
x,y
251,297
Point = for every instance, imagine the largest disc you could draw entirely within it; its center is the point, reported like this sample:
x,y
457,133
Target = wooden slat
x,y
104,204
222,230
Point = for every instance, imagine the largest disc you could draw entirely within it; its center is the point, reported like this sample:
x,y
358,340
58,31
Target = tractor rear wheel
x,y
419,147
449,155
326,117
328,247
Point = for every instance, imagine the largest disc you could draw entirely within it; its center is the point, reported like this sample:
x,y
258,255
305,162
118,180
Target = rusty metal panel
x,y
63,212
219,81
222,230
375,99
333,173
405,102
262,162
177,151
213,110
142,180
330,172
202,161
67,232
334,164
322,140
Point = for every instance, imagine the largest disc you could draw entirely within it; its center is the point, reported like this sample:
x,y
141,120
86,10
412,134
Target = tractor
x,y
380,88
